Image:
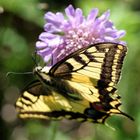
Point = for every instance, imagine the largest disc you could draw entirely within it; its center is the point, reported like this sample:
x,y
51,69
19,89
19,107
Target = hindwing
x,y
42,102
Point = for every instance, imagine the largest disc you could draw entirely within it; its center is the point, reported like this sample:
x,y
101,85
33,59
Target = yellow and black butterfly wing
x,y
41,102
100,63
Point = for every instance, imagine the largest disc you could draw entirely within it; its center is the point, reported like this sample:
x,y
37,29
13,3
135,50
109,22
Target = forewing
x,y
97,64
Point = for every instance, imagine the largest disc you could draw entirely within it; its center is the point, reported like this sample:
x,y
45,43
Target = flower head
x,y
63,36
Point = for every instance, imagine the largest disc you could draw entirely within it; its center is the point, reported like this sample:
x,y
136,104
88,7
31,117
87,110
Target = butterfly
x,y
82,86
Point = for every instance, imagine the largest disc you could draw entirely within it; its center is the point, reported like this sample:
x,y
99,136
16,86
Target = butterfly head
x,y
42,73
45,69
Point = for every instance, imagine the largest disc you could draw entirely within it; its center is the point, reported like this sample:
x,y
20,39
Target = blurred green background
x,y
21,22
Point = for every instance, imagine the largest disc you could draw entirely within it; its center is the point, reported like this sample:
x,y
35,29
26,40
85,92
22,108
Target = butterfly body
x,y
81,86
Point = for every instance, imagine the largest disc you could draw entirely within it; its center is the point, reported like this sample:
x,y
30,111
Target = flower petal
x,y
92,15
70,12
40,44
104,17
54,18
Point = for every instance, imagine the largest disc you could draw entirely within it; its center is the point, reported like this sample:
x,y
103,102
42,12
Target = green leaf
x,y
14,49
26,9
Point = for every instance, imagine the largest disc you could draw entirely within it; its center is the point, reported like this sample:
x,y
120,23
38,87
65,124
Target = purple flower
x,y
63,36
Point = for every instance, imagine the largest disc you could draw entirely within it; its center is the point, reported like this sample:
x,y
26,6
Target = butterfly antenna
x,y
34,57
17,73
